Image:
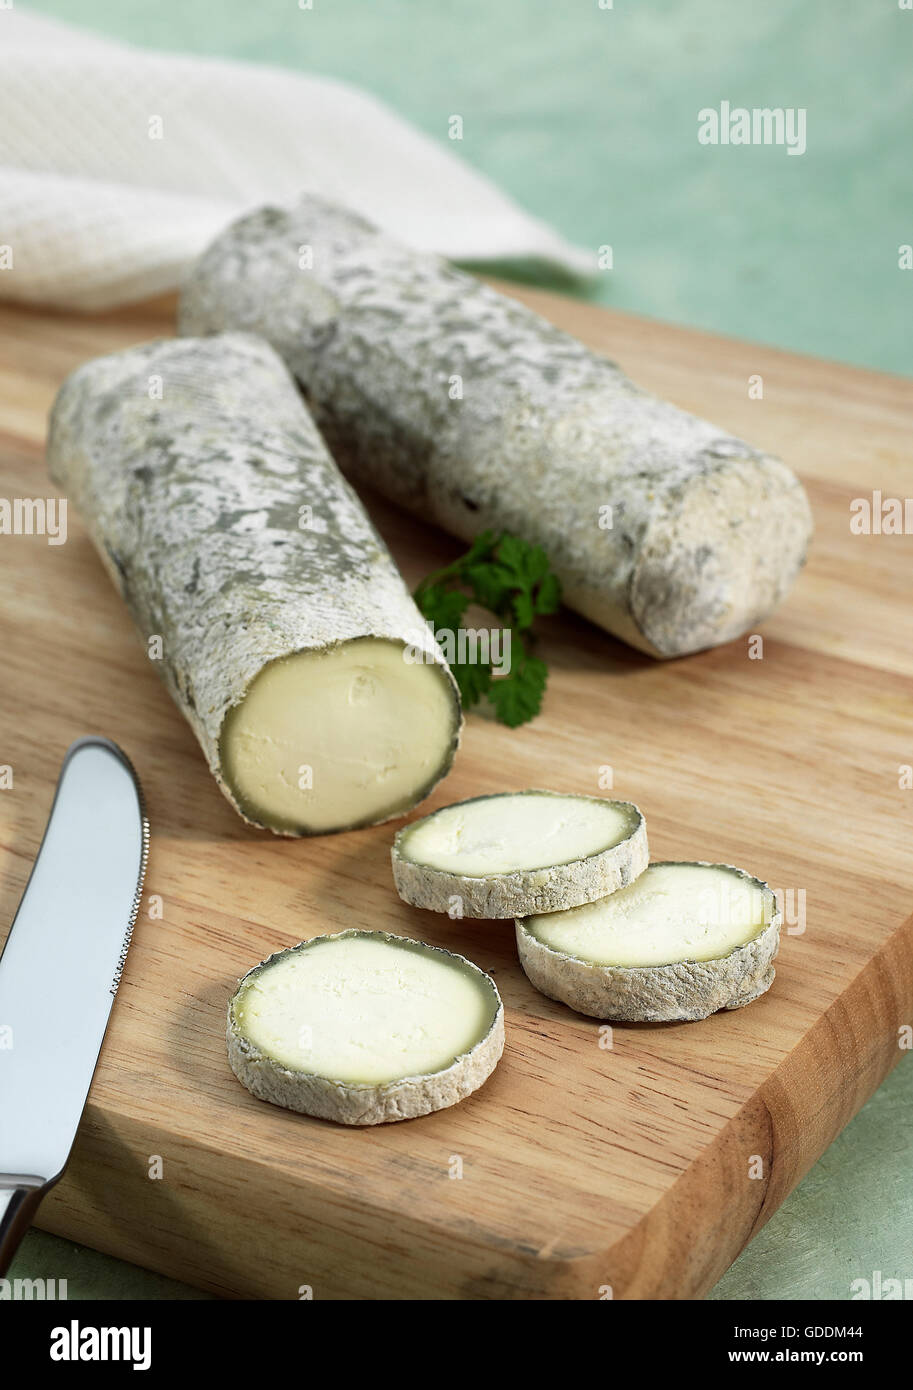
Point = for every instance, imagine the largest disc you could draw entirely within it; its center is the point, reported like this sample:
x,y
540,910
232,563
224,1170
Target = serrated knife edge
x,y
21,1189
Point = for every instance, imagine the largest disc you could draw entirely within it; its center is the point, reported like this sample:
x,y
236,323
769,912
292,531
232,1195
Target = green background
x,y
588,117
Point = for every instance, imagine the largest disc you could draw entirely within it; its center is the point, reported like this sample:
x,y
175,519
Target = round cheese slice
x,y
516,853
682,942
363,1027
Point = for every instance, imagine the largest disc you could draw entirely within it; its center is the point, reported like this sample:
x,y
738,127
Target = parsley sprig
x,y
512,579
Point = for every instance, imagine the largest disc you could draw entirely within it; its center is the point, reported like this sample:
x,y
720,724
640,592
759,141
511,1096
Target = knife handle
x,y
19,1199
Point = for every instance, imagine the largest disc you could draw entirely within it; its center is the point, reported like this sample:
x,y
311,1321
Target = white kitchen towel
x,y
118,165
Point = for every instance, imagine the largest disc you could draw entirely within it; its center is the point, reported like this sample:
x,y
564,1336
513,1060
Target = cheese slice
x,y
338,737
519,852
529,830
363,1027
673,912
681,942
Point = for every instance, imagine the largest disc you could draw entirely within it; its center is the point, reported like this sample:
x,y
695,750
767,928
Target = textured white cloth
x,y
119,165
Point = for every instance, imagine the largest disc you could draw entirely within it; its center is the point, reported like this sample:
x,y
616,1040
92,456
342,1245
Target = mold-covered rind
x,y
472,411
225,525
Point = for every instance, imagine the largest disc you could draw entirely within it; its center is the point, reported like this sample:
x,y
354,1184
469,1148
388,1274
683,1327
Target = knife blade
x,y
60,969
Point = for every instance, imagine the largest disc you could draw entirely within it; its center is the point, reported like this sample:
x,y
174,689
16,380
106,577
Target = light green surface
x,y
589,117
852,1215
89,1274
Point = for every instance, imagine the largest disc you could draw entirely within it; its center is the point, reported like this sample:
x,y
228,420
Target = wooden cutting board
x,y
643,1167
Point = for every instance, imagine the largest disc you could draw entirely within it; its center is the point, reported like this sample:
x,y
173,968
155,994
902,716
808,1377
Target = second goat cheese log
x,y
473,412
270,604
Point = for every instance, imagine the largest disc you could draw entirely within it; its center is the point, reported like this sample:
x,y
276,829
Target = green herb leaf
x,y
548,595
442,607
480,549
524,611
490,584
518,697
529,563
474,680
512,579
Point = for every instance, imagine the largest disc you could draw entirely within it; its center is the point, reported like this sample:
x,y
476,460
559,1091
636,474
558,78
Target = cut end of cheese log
x,y
682,942
363,1028
262,592
339,737
719,553
515,853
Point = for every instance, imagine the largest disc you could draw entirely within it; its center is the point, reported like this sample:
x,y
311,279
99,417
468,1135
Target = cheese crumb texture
x,y
516,831
365,1008
671,913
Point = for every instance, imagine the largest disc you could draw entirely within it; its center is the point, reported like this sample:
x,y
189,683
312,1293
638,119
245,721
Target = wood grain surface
x,y
585,1168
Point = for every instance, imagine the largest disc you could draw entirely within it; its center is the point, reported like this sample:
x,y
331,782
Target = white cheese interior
x,y
368,730
360,1008
519,830
672,912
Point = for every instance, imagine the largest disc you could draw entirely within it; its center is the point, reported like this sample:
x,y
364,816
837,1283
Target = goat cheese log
x,y
473,412
250,568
